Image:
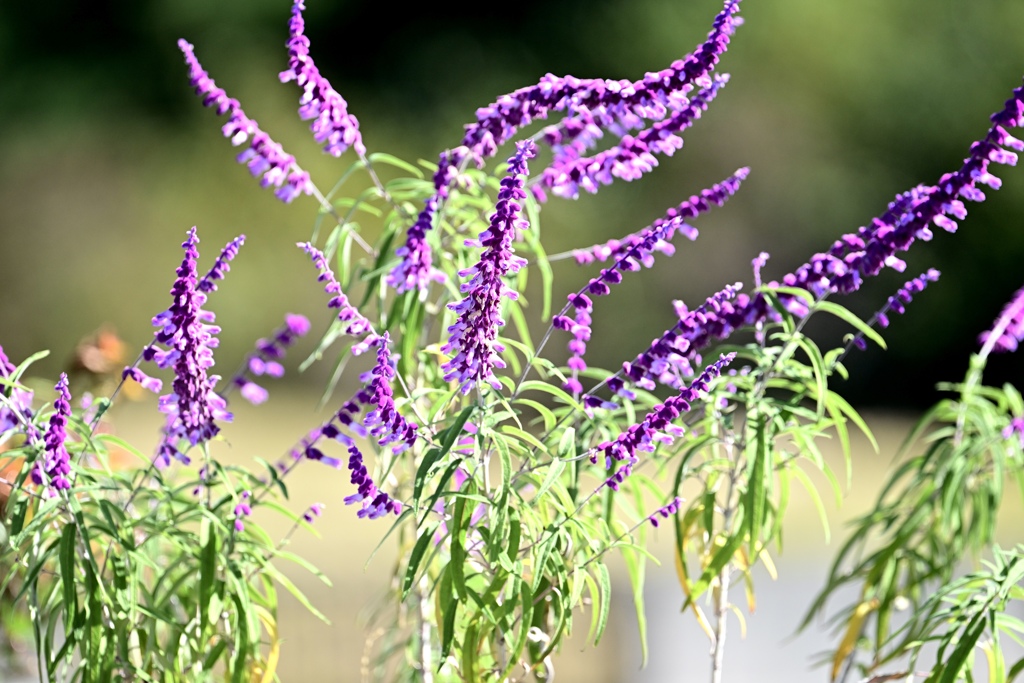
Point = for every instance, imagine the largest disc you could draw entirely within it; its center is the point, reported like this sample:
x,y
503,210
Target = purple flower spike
x,y
332,125
632,157
352,321
19,412
54,465
667,360
1008,329
896,303
664,512
242,510
194,407
655,427
383,420
374,502
473,338
312,512
264,157
149,383
221,266
416,269
262,361
640,246
1015,428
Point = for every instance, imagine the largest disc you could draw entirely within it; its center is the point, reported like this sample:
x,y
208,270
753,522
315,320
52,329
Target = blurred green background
x,y
108,158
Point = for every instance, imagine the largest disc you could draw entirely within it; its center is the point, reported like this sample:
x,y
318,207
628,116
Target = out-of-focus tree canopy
x,y
108,158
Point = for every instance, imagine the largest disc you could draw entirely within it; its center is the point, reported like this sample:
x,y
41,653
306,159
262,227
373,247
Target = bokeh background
x,y
108,158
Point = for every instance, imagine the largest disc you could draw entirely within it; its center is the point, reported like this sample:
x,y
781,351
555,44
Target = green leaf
x,y
847,316
756,495
603,607
636,564
414,560
67,575
458,536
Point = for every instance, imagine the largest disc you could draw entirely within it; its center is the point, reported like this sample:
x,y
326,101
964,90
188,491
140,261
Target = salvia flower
x,y
640,246
863,254
352,321
415,270
472,339
16,409
383,420
646,98
220,267
332,125
1008,329
312,512
896,303
184,329
655,427
265,158
374,502
1015,428
664,512
242,510
52,468
264,360
632,157
667,359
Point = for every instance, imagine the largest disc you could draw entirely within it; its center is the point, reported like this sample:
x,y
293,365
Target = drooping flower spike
x,y
665,511
352,321
265,359
863,254
242,510
53,465
16,411
472,342
220,267
631,157
265,158
1008,330
650,97
332,126
383,420
186,332
896,303
667,361
629,254
656,427
374,503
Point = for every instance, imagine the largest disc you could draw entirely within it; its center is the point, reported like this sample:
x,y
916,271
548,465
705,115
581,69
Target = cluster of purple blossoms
x,y
656,426
53,466
352,321
265,158
1008,327
473,341
630,254
312,512
264,360
185,330
1015,428
332,125
16,406
590,106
